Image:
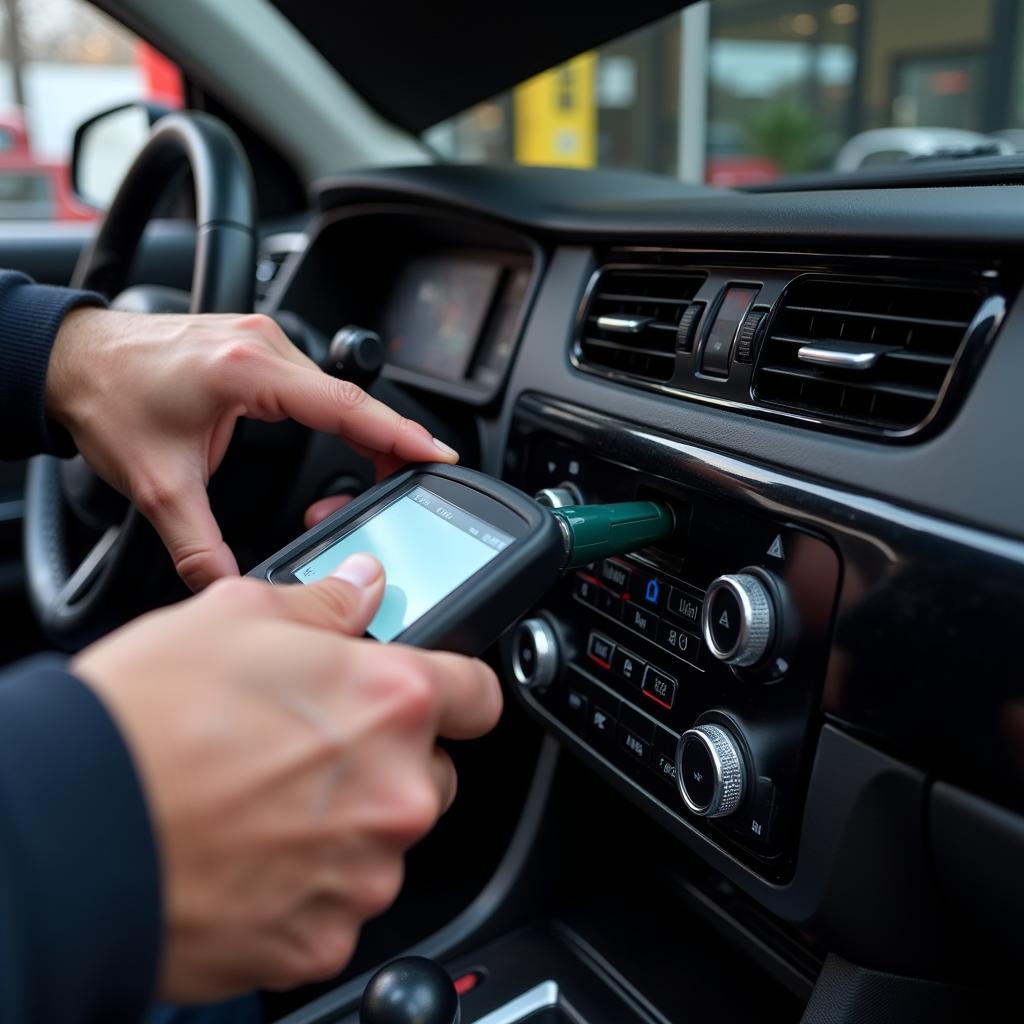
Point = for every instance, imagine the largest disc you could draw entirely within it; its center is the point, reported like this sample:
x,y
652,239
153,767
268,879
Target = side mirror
x,y
104,147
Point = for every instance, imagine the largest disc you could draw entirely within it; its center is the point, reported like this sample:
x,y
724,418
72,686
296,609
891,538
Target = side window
x,y
61,62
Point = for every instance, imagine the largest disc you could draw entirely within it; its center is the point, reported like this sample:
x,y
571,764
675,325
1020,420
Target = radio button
x,y
679,642
609,603
600,650
641,620
659,687
635,733
602,719
649,591
684,607
634,745
628,667
587,590
616,575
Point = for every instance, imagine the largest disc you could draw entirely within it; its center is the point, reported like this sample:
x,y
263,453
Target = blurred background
x,y
734,92
62,62
729,92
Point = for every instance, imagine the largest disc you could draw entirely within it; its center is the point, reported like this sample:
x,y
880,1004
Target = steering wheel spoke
x,y
90,568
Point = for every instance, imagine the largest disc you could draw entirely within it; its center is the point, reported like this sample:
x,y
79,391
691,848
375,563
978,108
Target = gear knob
x,y
410,990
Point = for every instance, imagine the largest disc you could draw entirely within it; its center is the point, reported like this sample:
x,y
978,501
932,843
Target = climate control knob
x,y
710,770
739,619
535,654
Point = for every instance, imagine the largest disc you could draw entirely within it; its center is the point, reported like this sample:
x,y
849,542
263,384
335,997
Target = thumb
x,y
343,602
182,516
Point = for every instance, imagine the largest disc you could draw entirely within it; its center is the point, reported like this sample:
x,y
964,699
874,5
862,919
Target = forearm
x,y
79,879
30,316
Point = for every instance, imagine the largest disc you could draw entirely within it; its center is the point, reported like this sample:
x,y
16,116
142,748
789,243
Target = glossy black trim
x,y
923,660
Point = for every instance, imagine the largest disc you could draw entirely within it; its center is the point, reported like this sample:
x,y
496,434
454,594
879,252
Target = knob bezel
x,y
545,645
562,496
729,761
758,625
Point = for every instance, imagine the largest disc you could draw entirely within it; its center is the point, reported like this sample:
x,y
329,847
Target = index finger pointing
x,y
342,408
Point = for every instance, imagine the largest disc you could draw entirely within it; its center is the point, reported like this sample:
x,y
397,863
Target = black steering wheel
x,y
66,506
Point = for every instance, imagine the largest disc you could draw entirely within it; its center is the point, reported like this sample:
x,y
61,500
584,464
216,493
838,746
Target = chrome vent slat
x,y
914,330
653,298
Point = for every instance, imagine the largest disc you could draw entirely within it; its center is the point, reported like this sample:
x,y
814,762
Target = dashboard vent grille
x,y
866,353
632,319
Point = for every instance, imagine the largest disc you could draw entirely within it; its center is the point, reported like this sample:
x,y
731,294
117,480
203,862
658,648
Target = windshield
x,y
736,92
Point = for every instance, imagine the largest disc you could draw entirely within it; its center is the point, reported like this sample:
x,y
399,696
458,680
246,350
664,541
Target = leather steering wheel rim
x,y
72,604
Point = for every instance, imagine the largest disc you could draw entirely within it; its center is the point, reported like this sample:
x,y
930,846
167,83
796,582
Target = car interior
x,y
770,769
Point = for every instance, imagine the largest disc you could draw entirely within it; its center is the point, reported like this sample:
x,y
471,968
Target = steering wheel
x,y
64,499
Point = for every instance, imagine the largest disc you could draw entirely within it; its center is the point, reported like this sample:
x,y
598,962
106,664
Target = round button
x,y
535,656
710,770
739,619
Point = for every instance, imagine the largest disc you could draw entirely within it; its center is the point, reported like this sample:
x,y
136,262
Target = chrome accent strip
x,y
540,997
623,324
842,355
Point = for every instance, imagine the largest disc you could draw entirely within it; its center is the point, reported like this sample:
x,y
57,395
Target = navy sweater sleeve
x,y
30,316
79,877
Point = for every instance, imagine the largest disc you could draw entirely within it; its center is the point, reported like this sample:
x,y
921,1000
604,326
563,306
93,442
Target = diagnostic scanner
x,y
464,555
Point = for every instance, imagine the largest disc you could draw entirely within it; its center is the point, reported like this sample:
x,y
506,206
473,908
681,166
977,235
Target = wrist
x,y
66,377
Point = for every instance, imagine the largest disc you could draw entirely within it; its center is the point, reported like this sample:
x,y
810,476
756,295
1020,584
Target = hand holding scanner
x,y
464,555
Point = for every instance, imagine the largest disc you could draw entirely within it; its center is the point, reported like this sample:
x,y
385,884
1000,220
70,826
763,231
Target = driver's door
x,y
69,62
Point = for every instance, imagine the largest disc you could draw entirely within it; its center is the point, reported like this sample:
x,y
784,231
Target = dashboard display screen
x,y
428,548
436,313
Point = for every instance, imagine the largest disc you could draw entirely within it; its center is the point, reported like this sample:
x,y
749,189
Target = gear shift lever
x,y
410,990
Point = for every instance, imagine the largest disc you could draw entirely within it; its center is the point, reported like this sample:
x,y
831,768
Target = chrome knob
x,y
559,497
710,771
535,654
738,621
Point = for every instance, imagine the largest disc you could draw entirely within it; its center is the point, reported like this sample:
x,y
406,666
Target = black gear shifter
x,y
410,990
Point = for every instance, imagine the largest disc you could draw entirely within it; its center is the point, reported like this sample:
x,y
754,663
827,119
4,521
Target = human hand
x,y
287,768
152,400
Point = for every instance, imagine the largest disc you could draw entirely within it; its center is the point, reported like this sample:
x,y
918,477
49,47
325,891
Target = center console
x,y
688,673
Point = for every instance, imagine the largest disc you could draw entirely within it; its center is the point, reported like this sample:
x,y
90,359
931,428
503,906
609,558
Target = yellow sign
x,y
556,116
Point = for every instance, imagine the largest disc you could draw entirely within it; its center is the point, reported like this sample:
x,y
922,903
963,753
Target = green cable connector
x,y
597,531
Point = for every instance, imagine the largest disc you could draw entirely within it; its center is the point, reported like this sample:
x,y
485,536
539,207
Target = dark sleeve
x,y
79,879
30,316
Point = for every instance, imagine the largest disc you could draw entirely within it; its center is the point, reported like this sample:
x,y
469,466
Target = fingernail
x,y
359,570
442,447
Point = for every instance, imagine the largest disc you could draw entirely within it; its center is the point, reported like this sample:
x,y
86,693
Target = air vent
x,y
631,321
864,353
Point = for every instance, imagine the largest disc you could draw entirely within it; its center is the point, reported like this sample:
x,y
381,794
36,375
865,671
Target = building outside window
x,y
733,92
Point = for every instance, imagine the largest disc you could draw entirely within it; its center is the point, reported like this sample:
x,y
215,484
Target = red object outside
x,y
162,77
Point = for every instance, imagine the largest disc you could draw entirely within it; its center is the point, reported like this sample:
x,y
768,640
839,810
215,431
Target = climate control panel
x,y
690,673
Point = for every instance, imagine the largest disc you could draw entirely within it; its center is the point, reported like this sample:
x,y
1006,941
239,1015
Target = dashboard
x,y
814,686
